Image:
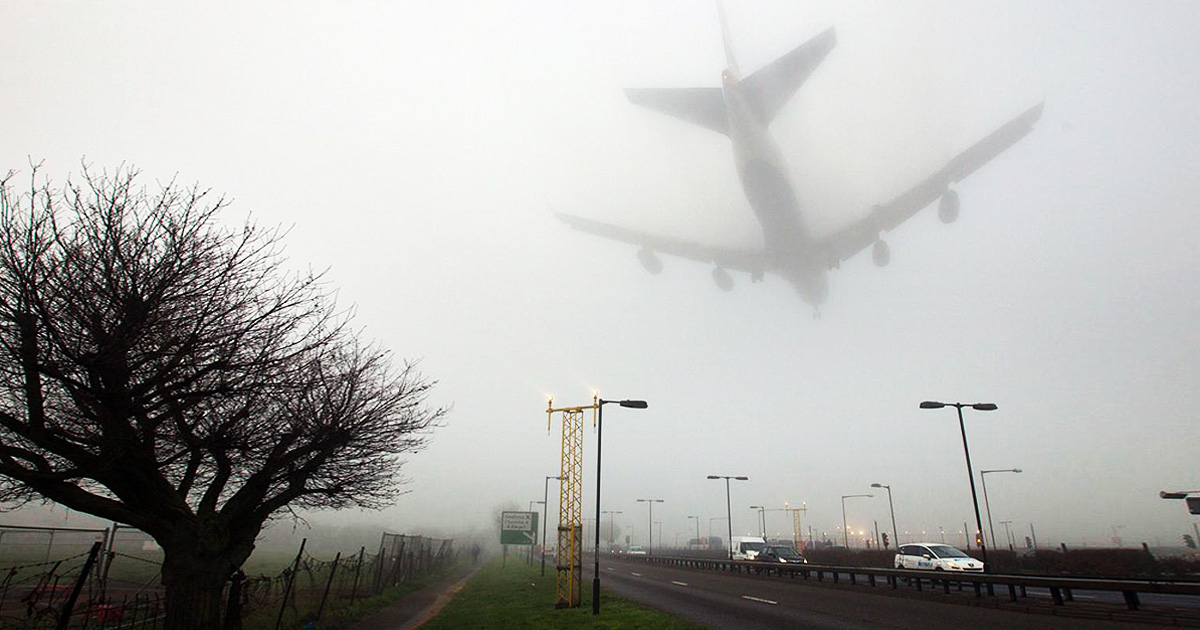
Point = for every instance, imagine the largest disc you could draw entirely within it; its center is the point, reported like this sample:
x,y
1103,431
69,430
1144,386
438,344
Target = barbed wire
x,y
16,568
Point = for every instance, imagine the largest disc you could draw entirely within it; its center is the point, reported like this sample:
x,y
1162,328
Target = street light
x,y
762,519
1007,535
728,511
895,532
650,524
846,534
697,529
545,498
600,402
611,517
986,504
932,404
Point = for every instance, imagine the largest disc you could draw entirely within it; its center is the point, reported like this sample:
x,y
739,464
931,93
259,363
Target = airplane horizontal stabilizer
x,y
702,106
772,86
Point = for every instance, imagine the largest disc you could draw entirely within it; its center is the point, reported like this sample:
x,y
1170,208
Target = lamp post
x,y
762,520
1007,535
650,524
697,529
728,511
611,517
933,404
988,506
545,498
600,402
892,509
846,534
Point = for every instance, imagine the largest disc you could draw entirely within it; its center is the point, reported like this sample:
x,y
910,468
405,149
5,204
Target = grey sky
x,y
416,151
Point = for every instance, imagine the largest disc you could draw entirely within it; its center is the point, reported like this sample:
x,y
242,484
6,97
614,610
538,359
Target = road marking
x,y
679,583
759,599
635,574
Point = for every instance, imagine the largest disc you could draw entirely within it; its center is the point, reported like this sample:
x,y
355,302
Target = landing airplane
x,y
742,109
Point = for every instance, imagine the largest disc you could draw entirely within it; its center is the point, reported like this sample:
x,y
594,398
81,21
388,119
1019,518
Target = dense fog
x,y
419,153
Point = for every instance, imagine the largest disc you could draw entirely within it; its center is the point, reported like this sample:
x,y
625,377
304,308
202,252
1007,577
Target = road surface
x,y
725,600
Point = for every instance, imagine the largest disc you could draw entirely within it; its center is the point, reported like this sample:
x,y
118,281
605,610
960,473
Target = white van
x,y
746,547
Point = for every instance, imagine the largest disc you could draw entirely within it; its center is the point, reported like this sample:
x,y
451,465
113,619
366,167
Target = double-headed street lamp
x,y
762,518
845,533
988,506
1007,535
895,534
600,402
650,523
545,498
932,404
611,517
728,511
715,518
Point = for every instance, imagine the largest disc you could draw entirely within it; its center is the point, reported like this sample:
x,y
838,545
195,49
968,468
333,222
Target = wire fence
x,y
103,588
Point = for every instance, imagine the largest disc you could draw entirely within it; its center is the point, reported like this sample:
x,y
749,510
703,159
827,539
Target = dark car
x,y
780,554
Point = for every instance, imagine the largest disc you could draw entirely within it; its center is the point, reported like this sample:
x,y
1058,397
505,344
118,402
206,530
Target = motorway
x,y
724,600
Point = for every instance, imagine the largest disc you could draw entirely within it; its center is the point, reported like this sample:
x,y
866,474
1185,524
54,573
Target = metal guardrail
x,y
1060,587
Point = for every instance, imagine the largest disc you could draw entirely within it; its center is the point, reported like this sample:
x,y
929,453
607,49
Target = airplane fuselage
x,y
763,173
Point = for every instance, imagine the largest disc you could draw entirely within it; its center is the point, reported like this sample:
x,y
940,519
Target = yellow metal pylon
x,y
569,552
797,530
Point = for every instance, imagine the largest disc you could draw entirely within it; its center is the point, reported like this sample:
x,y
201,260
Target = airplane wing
x,y
856,237
751,261
702,106
772,86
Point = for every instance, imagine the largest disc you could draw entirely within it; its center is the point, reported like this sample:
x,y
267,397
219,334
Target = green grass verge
x,y
517,596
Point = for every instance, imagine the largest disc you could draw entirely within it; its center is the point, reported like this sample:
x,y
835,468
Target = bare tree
x,y
162,370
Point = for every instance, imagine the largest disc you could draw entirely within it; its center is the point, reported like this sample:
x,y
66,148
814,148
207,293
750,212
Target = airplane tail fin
x,y
730,60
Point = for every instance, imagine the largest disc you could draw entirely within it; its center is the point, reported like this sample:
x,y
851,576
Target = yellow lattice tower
x,y
797,531
569,552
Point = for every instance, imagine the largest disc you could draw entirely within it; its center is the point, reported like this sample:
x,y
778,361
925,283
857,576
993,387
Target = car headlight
x,y
783,560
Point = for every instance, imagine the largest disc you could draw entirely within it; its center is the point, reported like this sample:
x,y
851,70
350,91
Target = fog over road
x,y
723,600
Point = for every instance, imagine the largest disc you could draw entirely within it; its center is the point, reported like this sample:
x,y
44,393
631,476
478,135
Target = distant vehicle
x,y
935,557
746,547
637,550
780,554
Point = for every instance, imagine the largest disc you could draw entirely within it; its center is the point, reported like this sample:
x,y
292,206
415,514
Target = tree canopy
x,y
165,370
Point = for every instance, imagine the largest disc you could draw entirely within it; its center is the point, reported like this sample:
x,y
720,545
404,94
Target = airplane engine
x,y
650,261
881,254
723,279
948,207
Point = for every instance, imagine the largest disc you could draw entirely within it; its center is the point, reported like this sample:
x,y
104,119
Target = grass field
x,y
517,596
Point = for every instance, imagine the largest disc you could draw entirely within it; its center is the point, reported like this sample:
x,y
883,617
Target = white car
x,y
637,550
935,557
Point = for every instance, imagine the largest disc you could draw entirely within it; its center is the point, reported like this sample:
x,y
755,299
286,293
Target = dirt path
x,y
417,607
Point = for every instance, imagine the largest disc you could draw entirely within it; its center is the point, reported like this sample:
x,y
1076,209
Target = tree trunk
x,y
194,596
195,572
